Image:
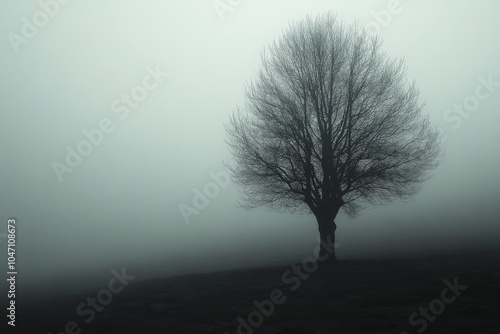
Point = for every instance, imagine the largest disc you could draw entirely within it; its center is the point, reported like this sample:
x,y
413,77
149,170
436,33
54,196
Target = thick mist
x,y
153,83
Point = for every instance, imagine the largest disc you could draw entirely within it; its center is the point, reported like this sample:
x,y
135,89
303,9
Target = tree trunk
x,y
327,227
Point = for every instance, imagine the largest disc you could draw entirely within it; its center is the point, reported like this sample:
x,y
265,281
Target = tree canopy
x,y
330,123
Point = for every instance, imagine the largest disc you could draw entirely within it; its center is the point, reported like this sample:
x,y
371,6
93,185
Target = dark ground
x,y
357,296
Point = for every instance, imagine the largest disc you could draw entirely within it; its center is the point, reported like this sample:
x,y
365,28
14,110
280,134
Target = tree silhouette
x,y
330,123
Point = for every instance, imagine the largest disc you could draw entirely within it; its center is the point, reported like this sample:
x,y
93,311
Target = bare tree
x,y
330,123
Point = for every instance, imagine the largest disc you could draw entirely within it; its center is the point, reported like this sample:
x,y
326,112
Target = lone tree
x,y
330,123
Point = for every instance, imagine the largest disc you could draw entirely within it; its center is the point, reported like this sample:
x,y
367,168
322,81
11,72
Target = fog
x,y
120,205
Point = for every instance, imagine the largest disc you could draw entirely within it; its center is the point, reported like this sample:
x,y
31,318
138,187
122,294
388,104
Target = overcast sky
x,y
187,62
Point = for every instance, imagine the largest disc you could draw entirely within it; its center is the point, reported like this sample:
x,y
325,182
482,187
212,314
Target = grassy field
x,y
454,293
